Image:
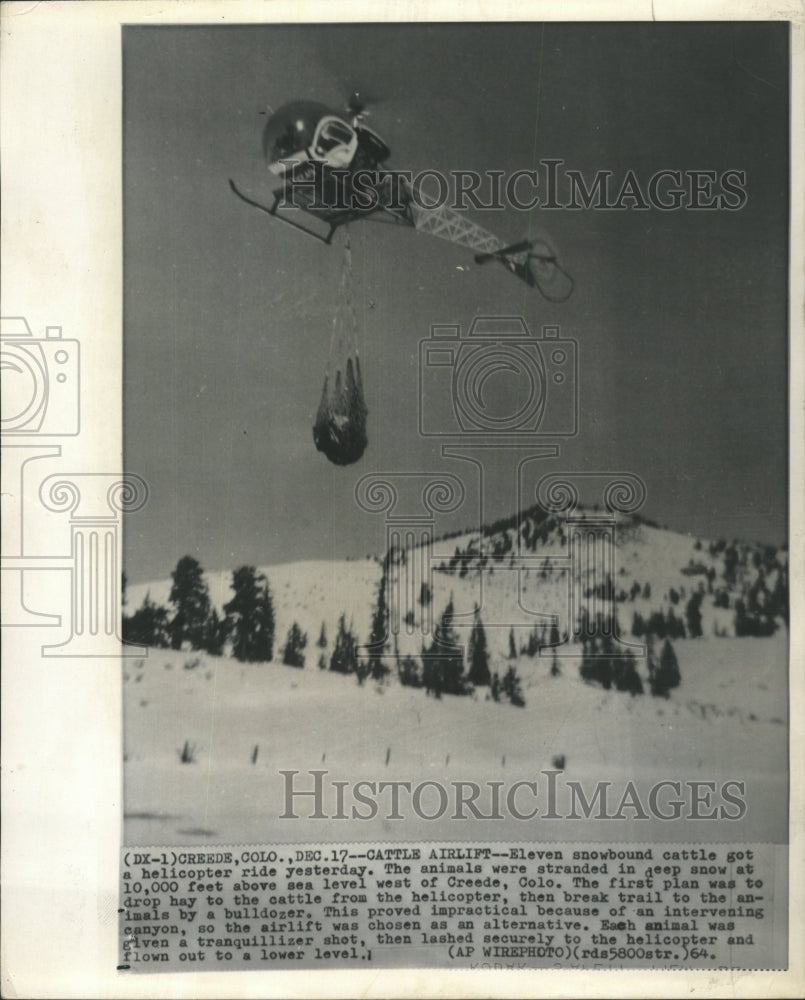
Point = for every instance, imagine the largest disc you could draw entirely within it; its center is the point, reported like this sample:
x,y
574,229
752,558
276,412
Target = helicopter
x,y
331,166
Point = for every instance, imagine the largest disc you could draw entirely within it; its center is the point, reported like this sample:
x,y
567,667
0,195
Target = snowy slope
x,y
726,721
239,724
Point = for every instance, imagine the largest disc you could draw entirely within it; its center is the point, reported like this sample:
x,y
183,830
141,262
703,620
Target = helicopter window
x,y
333,133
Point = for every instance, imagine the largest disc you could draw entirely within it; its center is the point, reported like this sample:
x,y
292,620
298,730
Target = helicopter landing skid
x,y
288,222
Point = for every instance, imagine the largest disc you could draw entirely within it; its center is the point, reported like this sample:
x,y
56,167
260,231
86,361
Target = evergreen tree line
x,y
754,583
248,625
440,668
755,613
540,637
192,621
605,662
668,625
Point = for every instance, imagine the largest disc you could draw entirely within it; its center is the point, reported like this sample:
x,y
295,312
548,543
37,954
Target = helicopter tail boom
x,y
532,261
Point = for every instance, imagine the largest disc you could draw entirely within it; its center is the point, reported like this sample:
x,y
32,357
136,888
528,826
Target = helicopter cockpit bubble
x,y
336,141
306,130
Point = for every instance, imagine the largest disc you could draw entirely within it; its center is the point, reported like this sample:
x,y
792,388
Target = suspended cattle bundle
x,y
340,428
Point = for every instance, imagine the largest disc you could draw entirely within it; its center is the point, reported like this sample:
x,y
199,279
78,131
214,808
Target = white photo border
x,y
61,87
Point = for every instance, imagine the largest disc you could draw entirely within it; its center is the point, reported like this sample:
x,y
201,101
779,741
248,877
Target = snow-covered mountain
x,y
516,573
206,736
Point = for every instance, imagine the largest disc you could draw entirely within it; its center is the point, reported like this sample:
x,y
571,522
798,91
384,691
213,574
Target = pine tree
x,y
215,632
250,616
478,654
596,661
657,625
378,636
452,664
293,654
190,598
652,663
321,642
148,626
666,675
344,659
693,614
409,672
265,620
754,625
444,662
512,645
511,688
674,627
625,675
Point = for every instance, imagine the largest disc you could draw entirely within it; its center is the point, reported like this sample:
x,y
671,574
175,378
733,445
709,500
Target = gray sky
x,y
680,316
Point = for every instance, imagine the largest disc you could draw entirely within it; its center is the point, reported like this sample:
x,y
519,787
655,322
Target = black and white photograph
x,y
372,434
443,571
